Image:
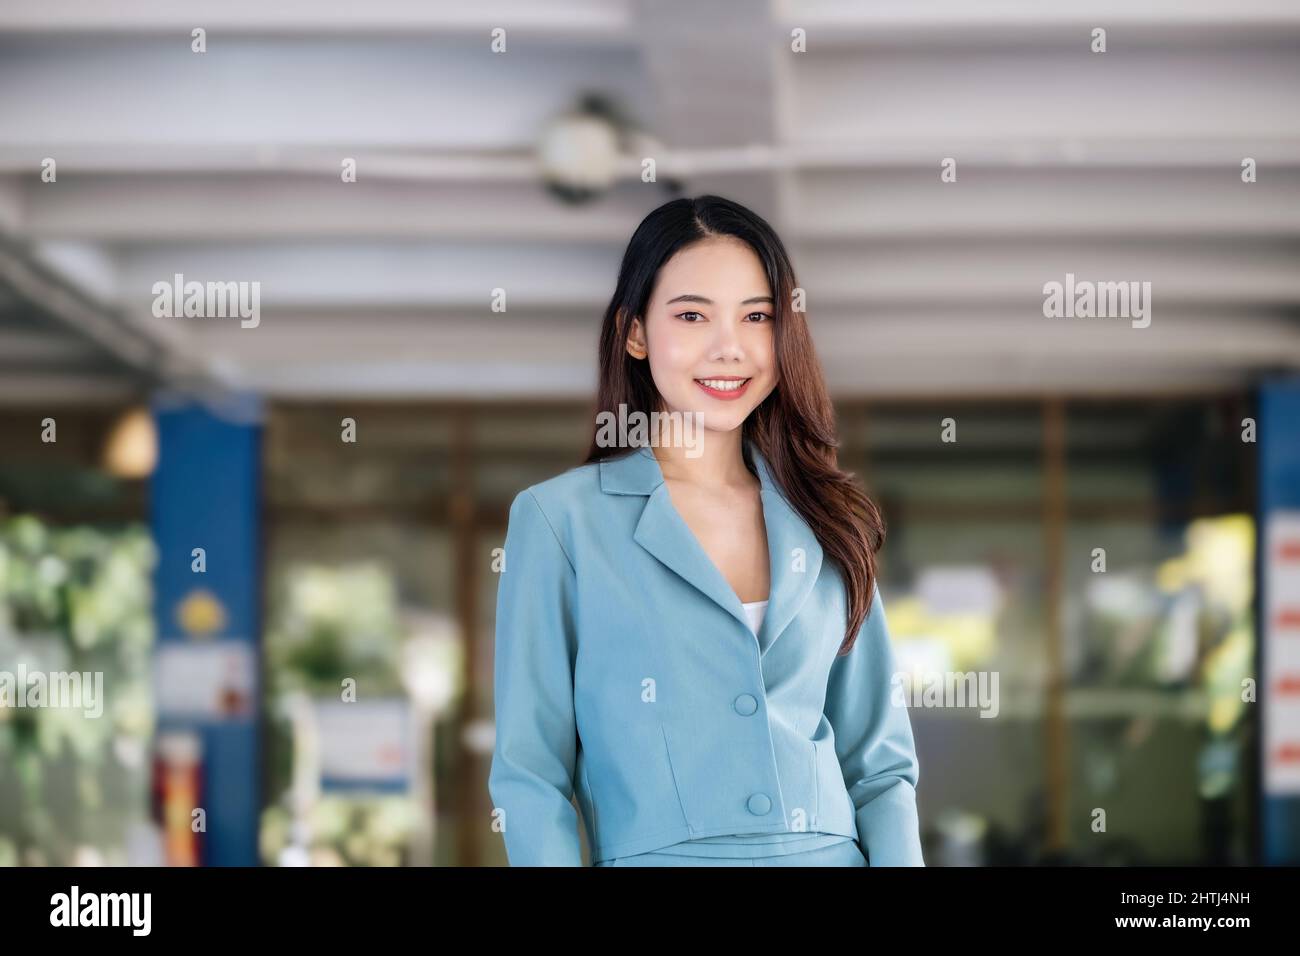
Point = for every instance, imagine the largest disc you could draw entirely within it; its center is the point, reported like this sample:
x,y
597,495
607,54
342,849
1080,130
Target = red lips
x,y
726,396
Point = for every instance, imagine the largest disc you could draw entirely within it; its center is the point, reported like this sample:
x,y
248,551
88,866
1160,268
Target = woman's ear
x,y
636,345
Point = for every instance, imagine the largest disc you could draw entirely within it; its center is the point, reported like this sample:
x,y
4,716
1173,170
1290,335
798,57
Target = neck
x,y
720,462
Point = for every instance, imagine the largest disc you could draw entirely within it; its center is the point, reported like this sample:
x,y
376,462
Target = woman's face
x,y
708,332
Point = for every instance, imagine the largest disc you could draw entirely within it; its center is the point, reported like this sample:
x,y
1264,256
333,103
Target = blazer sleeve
x,y
873,740
534,754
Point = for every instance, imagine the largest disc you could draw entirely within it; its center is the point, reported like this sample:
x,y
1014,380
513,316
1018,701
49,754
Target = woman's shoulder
x,y
588,495
575,488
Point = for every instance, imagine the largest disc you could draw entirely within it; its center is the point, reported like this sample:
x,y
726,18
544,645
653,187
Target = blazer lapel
x,y
664,533
794,555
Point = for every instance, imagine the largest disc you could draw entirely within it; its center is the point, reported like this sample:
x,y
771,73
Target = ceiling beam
x,y
570,20
54,281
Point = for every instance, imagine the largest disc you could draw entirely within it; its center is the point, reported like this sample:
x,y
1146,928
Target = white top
x,y
754,611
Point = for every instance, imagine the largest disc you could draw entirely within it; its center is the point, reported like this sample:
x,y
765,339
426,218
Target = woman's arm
x,y
873,740
536,735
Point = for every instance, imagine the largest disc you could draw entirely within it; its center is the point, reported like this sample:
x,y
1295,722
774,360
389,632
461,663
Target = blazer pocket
x,y
677,784
595,817
833,801
815,822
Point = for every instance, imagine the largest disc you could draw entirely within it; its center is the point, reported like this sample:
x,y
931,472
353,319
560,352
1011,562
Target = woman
x,y
689,633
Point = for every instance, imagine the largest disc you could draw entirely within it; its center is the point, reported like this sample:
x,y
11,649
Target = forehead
x,y
719,269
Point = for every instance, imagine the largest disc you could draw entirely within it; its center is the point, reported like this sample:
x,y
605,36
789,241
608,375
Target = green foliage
x,y
73,600
328,624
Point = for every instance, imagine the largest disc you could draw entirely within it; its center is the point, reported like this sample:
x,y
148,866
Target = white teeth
x,y
723,385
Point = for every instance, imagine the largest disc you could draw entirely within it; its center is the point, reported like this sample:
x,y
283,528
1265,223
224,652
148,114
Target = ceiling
x,y
1114,166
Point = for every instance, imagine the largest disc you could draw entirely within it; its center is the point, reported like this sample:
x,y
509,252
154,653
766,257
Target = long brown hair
x,y
793,428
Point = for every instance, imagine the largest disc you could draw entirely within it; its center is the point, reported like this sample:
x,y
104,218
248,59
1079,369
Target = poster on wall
x,y
365,745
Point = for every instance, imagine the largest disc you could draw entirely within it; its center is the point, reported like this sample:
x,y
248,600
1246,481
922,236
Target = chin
x,y
725,421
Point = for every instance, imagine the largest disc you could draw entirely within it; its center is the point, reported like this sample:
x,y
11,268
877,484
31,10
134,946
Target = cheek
x,y
673,354
765,355
669,367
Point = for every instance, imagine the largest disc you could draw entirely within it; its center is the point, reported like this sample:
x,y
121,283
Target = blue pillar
x,y
205,493
1279,494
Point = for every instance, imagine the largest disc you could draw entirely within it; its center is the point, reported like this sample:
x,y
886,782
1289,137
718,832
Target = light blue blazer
x,y
626,671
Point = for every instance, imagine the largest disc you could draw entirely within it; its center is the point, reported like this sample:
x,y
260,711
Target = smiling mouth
x,y
723,388
723,384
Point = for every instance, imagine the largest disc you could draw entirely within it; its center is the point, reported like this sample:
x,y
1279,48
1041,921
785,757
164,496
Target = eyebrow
x,y
692,297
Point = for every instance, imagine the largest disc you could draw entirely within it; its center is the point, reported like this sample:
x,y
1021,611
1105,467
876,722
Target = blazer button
x,y
759,804
746,704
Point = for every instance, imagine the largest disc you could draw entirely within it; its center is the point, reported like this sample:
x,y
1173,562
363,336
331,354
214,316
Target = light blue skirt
x,y
839,854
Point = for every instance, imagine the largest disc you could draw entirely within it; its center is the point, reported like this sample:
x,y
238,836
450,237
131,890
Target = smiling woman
x,y
713,342
630,669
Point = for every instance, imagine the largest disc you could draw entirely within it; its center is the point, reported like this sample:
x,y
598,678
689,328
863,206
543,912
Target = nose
x,y
726,344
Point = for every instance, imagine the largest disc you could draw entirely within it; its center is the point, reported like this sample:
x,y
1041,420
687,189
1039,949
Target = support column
x,y
205,494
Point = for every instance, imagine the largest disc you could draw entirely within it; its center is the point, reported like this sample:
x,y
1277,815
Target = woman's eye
x,y
683,315
760,316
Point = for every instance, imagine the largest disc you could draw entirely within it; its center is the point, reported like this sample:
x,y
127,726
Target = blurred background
x,y
274,537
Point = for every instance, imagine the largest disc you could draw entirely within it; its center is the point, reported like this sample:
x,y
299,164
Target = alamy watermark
x,y
637,429
1104,300
211,300
129,910
73,690
946,689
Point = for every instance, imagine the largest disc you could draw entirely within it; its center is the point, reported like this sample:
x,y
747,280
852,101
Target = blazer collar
x,y
794,554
